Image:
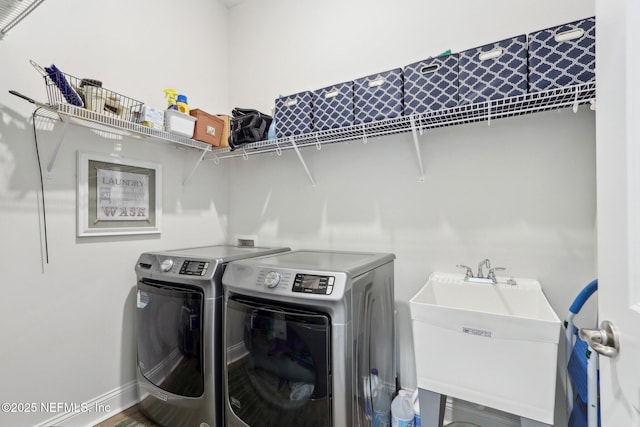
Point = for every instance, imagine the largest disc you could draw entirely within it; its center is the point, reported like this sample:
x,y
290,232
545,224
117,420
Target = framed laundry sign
x,y
118,196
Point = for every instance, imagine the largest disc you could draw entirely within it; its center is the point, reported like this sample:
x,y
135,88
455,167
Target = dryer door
x,y
278,364
169,336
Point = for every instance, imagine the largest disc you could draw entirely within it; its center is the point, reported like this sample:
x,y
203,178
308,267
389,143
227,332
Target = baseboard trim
x,y
96,410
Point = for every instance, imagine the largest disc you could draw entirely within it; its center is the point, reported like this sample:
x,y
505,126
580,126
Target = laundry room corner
x,y
69,300
98,313
520,191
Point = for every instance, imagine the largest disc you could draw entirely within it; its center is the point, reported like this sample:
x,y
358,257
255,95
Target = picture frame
x,y
118,196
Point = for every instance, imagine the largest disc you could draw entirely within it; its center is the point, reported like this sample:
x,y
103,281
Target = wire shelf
x,y
104,123
570,96
65,89
14,11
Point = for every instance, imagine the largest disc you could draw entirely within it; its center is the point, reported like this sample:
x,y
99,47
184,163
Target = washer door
x,y
169,337
278,364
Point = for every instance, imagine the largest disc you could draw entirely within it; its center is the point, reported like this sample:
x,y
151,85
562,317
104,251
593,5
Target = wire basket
x,y
63,88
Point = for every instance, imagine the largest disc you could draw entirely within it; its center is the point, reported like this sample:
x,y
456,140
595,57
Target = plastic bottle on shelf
x,y
381,402
181,103
171,95
402,410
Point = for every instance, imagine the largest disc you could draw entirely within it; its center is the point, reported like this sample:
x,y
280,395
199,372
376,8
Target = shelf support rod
x,y
416,144
193,170
54,156
304,165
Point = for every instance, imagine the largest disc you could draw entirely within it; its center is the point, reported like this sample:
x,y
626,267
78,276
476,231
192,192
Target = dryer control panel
x,y
194,268
313,284
309,284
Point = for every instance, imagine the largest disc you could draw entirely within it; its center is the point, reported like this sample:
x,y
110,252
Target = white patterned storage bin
x,y
333,106
294,115
562,56
493,71
378,97
431,84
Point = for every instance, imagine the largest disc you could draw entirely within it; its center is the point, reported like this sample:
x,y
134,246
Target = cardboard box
x,y
493,71
378,97
431,84
209,128
562,56
226,130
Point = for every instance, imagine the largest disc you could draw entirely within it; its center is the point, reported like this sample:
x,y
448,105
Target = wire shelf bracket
x,y
193,170
54,155
304,164
416,145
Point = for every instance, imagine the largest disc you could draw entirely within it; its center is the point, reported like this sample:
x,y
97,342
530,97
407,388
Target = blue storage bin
x,y
431,84
378,97
333,106
493,71
562,56
294,114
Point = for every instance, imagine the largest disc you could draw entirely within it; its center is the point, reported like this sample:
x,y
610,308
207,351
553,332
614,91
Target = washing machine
x,y
179,333
303,329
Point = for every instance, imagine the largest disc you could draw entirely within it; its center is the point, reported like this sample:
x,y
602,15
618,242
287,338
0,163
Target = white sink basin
x,y
493,344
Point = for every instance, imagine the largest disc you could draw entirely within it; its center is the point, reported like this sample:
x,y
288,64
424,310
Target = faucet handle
x,y
492,272
468,273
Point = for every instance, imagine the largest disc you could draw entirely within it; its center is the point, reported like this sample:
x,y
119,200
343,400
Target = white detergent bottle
x,y
402,410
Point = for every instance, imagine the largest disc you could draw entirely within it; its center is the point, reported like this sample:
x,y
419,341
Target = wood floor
x,y
128,418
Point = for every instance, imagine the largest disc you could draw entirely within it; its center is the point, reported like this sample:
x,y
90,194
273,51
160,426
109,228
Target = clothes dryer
x,y
303,329
179,333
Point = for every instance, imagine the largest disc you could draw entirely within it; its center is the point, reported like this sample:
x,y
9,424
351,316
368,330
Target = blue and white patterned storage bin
x,y
493,71
333,106
294,115
378,97
431,84
563,55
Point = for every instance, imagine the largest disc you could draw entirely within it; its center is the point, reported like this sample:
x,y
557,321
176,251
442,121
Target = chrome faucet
x,y
483,262
491,273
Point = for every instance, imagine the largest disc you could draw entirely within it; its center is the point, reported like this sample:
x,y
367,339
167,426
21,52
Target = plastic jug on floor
x,y
402,411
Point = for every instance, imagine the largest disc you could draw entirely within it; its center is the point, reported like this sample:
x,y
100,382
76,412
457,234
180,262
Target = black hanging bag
x,y
248,126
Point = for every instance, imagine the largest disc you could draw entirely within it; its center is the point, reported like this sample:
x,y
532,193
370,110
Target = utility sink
x,y
492,344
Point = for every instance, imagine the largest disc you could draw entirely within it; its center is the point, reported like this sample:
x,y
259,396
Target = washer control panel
x,y
313,284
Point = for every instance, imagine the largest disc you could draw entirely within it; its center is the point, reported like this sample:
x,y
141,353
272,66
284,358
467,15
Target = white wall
x,y
521,192
67,332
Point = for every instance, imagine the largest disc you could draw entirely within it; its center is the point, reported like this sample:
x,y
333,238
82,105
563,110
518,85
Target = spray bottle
x,y
171,95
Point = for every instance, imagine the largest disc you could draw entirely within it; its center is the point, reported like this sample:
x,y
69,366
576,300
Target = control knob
x,y
166,265
272,279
